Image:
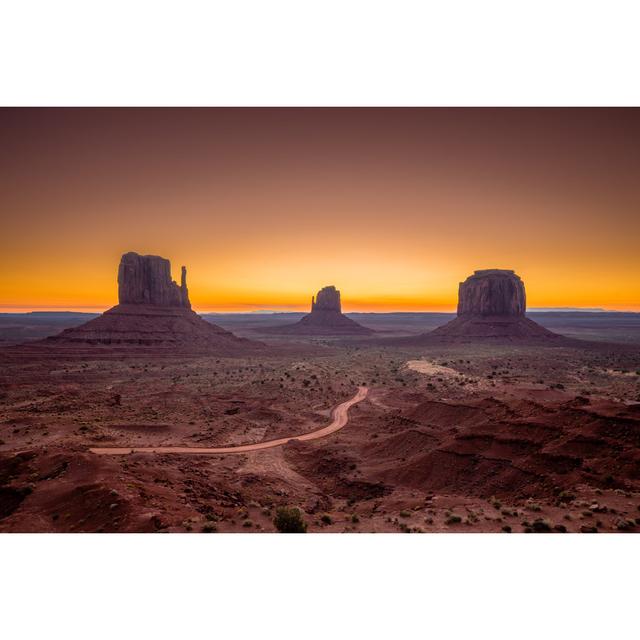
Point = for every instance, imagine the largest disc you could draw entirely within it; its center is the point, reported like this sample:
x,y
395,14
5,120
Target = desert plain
x,y
473,436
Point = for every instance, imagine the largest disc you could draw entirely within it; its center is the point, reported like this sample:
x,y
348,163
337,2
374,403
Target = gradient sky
x,y
265,206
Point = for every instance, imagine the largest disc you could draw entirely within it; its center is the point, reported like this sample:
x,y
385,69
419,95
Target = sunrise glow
x,y
393,206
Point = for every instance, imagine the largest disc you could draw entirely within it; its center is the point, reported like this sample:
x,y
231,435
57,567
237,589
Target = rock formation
x,y
492,292
326,318
328,299
492,304
147,280
153,311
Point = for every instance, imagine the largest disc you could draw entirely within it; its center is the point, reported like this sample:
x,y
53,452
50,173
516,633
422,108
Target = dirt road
x,y
340,419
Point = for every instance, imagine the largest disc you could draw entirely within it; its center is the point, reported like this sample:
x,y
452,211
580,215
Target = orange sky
x,y
393,206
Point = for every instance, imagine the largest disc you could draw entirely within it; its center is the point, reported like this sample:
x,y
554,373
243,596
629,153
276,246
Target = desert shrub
x,y
355,519
566,496
506,528
541,526
625,525
209,528
453,519
326,519
405,514
289,520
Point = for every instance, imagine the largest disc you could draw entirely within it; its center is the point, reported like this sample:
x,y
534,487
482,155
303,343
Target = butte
x,y
325,319
492,304
153,311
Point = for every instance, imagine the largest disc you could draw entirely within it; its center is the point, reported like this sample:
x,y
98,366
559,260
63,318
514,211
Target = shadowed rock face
x,y
492,292
147,280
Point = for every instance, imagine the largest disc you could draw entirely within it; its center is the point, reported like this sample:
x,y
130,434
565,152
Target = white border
x,y
319,586
329,53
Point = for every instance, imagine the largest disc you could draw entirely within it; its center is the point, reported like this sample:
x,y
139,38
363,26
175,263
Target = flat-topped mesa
x,y
492,292
147,280
328,299
492,304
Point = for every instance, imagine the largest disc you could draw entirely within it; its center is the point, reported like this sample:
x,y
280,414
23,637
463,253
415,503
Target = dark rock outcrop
x,y
492,292
492,304
154,311
328,299
326,318
147,280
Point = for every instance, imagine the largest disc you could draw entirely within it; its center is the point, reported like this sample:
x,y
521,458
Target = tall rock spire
x,y
184,292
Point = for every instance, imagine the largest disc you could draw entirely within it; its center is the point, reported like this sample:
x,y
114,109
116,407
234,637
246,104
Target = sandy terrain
x,y
462,438
339,421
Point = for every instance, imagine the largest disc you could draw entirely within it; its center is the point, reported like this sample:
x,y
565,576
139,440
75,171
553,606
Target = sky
x,y
265,206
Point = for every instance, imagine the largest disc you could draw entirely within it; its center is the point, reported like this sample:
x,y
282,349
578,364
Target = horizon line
x,y
272,311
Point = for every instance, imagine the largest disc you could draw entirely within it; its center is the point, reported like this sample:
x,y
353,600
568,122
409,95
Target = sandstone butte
x,y
153,311
492,304
325,318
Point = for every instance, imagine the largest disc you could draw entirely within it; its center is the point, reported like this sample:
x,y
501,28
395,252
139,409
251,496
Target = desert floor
x,y
458,438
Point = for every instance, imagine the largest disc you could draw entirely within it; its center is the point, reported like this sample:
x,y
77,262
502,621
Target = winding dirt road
x,y
340,419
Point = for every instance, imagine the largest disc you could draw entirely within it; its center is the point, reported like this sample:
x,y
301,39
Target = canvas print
x,y
343,320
